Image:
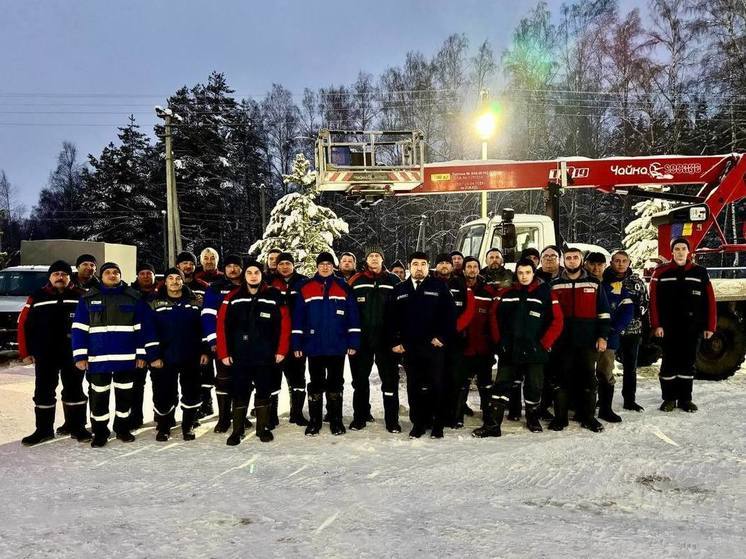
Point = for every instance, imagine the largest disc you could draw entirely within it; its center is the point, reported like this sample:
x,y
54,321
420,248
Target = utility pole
x,y
172,203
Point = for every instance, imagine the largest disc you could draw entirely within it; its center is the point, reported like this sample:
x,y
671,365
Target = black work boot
x,y
206,409
605,399
315,405
334,400
631,405
274,421
44,427
263,431
460,408
224,413
187,424
560,410
668,405
391,413
514,408
76,421
297,399
239,426
687,406
492,421
588,409
532,419
66,427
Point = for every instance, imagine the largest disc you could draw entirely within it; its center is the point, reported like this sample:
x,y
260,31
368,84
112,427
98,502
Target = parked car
x,y
16,284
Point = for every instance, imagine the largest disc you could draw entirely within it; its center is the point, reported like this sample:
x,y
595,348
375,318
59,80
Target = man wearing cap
x,y
463,298
533,254
289,282
622,312
214,296
682,313
107,343
347,266
253,330
525,321
478,356
423,321
587,320
495,273
550,260
44,340
187,262
209,260
326,327
398,269
85,275
271,264
145,285
172,336
457,260
629,342
373,290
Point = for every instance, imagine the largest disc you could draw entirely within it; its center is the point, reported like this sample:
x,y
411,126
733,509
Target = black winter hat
x,y
470,259
397,264
186,256
234,259
418,255
443,257
456,253
285,257
85,258
374,248
530,251
325,257
146,266
174,271
678,240
108,266
252,262
60,266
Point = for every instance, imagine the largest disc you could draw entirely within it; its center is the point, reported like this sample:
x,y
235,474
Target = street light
x,y
486,125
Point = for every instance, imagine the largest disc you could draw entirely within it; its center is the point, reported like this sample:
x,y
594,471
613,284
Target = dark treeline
x,y
587,80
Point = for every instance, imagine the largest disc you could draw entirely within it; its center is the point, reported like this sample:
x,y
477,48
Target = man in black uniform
x,y
423,320
145,285
373,290
44,340
85,276
682,312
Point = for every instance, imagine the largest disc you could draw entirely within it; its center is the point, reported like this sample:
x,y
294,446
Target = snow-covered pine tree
x,y
641,236
298,225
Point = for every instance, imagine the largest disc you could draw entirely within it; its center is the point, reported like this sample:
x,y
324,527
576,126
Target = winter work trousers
x,y
100,388
677,366
629,347
479,366
48,374
573,368
426,384
246,376
508,375
166,381
138,391
222,379
361,364
605,367
207,373
294,369
327,374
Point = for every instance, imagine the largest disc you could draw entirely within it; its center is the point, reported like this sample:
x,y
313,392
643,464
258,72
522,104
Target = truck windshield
x,y
470,240
21,283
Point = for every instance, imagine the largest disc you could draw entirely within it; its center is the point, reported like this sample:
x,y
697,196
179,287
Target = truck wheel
x,y
722,355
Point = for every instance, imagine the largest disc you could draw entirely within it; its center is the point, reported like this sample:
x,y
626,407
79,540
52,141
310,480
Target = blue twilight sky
x,y
61,58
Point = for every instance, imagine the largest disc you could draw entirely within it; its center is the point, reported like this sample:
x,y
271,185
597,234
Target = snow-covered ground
x,y
656,485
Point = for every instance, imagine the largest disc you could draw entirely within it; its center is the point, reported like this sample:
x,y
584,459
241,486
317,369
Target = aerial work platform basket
x,y
369,163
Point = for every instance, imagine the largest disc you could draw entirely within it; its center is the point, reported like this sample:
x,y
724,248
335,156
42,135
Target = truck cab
x,y
16,284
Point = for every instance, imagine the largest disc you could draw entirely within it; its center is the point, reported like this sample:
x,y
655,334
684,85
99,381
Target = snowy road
x,y
655,485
